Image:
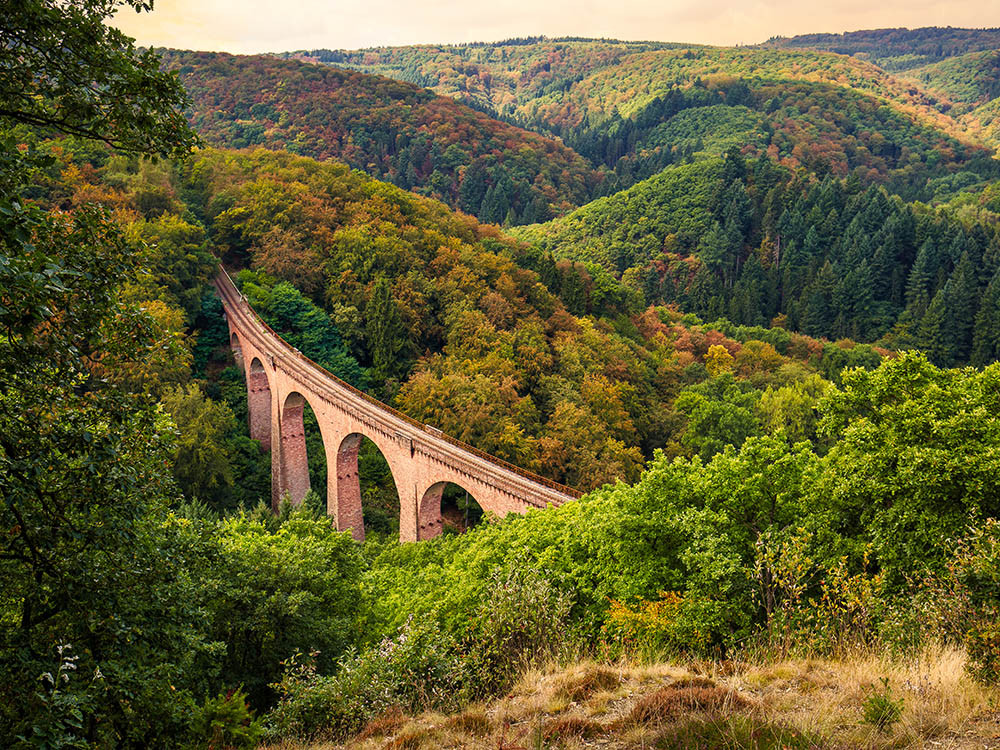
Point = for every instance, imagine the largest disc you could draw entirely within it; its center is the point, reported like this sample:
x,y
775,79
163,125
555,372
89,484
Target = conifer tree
x,y
918,284
933,333
986,342
818,312
384,330
962,300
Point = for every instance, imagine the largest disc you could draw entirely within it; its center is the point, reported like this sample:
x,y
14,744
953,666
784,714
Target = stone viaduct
x,y
423,460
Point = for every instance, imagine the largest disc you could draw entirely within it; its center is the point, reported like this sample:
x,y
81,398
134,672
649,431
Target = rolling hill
x,y
617,104
392,130
900,48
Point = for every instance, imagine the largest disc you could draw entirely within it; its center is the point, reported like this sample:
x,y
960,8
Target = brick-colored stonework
x,y
280,381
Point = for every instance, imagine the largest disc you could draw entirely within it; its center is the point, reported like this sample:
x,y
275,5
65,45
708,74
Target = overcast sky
x,y
282,25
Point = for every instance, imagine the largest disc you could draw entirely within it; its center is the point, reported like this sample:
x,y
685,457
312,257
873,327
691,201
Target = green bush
x,y
977,564
982,643
416,669
522,620
226,722
879,709
272,592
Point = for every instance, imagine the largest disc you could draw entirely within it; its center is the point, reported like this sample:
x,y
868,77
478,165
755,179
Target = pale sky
x,y
247,26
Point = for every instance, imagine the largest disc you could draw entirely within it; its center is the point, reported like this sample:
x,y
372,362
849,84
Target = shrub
x,y
879,709
226,722
978,565
414,670
522,620
648,625
983,645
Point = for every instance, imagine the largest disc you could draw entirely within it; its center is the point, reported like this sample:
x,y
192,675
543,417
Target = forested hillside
x,y
392,130
745,359
549,364
499,76
898,49
967,88
755,243
968,80
635,109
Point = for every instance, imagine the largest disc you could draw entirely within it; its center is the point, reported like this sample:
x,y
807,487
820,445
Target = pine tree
x,y
933,334
704,294
962,302
918,284
472,191
818,312
384,330
986,342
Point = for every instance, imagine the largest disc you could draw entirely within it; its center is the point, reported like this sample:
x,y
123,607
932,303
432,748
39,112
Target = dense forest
x,y
390,129
768,355
753,243
898,49
635,109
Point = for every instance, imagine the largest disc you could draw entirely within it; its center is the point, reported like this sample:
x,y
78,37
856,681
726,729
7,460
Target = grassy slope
x,y
780,704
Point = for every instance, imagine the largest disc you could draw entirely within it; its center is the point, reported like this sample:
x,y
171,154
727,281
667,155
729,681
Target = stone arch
x,y
429,521
259,402
344,495
294,460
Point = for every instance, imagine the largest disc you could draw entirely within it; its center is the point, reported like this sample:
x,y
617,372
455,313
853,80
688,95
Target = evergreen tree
x,y
472,191
818,311
705,294
986,342
933,334
918,285
962,302
573,292
384,330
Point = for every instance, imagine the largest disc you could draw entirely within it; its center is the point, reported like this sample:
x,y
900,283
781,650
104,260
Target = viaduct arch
x,y
423,460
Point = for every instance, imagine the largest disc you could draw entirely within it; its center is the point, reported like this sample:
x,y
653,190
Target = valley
x,y
730,314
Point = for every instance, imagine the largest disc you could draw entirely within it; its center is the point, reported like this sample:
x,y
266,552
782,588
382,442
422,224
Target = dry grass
x,y
672,702
474,722
383,725
942,707
793,703
573,726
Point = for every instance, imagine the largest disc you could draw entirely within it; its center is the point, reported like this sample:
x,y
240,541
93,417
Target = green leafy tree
x,y
720,412
278,593
200,461
70,72
915,458
88,556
